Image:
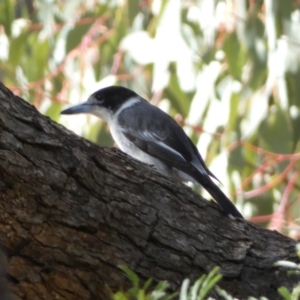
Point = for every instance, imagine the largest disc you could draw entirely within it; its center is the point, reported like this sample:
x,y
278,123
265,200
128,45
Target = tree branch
x,y
71,212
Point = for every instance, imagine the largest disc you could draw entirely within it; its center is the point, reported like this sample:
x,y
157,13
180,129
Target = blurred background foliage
x,y
228,71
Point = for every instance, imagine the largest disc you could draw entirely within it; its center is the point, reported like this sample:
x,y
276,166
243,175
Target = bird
x,y
150,135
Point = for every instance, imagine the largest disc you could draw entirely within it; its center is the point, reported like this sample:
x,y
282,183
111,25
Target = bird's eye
x,y
99,99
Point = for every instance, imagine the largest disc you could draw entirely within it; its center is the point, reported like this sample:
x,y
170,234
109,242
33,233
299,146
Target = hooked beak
x,y
84,107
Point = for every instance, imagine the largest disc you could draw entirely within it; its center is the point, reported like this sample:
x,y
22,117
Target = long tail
x,y
221,198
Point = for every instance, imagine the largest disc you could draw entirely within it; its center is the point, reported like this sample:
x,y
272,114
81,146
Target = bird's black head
x,y
112,97
105,102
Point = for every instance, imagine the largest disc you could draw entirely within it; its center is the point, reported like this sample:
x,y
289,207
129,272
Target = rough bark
x,y
71,212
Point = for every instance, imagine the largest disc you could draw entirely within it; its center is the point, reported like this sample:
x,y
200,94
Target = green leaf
x,y
147,284
37,59
275,131
54,111
210,281
120,296
154,22
172,296
209,285
7,15
284,292
131,276
178,98
162,286
75,36
233,114
293,89
141,295
17,48
195,288
254,30
184,289
235,55
285,8
133,9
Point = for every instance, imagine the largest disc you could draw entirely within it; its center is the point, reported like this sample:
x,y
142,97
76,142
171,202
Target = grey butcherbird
x,y
150,135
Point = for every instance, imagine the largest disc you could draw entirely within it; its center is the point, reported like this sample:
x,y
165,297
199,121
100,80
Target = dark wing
x,y
198,155
157,134
158,149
